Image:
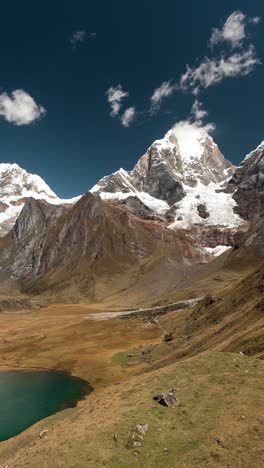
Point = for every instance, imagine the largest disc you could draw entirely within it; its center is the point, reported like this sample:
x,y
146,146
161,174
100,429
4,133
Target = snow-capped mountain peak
x,y
16,183
16,186
174,173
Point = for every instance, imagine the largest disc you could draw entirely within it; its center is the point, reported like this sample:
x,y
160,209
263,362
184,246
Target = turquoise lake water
x,y
27,397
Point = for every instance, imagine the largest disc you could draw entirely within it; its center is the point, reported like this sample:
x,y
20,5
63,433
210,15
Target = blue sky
x,y
65,55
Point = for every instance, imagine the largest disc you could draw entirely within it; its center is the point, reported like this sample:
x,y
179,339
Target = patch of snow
x,y
218,250
11,212
95,188
159,206
219,205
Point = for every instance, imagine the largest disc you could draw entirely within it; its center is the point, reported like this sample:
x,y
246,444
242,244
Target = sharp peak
x,y
251,153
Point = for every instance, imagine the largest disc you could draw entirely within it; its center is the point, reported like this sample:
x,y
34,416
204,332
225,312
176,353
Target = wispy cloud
x,y
128,116
20,108
197,112
212,71
80,36
115,95
255,20
164,90
233,30
213,68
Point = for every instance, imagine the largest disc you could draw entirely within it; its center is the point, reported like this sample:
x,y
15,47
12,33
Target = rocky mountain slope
x,y
247,184
93,249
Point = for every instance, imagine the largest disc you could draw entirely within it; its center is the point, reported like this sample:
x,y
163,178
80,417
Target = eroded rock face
x,y
248,184
135,206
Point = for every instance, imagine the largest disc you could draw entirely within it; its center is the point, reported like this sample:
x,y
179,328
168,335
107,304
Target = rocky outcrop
x,y
202,211
247,184
135,206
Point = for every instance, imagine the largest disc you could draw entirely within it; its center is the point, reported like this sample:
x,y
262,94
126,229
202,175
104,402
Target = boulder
x,y
141,428
166,399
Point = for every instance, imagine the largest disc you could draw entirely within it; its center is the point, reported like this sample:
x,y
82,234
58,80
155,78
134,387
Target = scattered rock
x,y
240,352
134,440
43,433
130,355
166,399
218,440
173,390
243,417
166,451
141,428
168,337
135,453
115,438
136,444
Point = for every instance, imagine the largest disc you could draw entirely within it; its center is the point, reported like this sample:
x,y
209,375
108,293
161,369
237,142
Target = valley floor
x,y
219,420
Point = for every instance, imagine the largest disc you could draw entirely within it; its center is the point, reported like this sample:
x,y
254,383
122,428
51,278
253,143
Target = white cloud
x,y
197,112
188,135
78,37
233,30
212,71
115,95
164,90
20,108
255,20
128,116
189,132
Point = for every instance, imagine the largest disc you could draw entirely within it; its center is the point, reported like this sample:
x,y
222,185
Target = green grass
x,y
210,393
122,359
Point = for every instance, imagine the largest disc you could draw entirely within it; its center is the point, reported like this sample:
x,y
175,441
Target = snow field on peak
x,y
219,205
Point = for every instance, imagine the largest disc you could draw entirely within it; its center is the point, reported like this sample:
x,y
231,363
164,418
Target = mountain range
x,y
180,206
